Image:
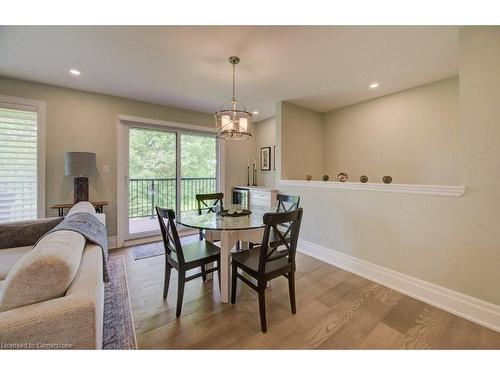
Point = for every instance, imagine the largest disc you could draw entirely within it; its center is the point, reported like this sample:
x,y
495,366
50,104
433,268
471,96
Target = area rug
x,y
153,249
148,250
118,330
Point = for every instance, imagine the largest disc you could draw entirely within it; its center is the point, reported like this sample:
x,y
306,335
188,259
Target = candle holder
x,y
254,176
248,175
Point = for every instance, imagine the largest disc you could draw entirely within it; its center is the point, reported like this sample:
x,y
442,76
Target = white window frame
x,y
126,121
39,106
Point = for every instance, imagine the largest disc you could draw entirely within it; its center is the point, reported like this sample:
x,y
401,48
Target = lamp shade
x,y
233,123
79,164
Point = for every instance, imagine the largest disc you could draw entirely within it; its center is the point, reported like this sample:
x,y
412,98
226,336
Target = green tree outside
x,y
152,155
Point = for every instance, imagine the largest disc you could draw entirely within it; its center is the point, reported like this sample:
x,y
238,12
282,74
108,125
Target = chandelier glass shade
x,y
233,121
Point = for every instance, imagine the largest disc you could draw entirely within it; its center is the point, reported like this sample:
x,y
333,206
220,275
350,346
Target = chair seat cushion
x,y
249,260
9,257
198,251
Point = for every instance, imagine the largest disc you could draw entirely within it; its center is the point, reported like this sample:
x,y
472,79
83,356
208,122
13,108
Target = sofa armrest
x,y
74,321
61,323
25,233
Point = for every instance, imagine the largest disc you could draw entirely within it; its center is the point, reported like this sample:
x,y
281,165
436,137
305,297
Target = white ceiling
x,y
321,68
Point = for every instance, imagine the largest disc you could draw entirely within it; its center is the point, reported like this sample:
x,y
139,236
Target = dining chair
x,y
267,262
184,257
285,203
209,203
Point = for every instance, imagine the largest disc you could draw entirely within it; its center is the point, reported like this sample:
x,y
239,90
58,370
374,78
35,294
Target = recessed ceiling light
x,y
255,112
374,85
75,72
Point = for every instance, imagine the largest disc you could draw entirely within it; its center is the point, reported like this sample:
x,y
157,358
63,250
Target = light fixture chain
x,y
234,96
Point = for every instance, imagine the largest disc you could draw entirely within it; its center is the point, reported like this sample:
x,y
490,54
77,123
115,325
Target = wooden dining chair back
x,y
287,202
184,258
282,230
210,202
268,261
169,233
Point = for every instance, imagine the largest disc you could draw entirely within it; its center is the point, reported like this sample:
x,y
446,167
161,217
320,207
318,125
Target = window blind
x,y
18,164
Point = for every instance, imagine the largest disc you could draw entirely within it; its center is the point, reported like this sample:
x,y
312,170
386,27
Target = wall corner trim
x,y
441,190
112,242
467,307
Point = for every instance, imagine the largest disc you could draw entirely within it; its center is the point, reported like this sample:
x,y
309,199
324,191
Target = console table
x,y
99,206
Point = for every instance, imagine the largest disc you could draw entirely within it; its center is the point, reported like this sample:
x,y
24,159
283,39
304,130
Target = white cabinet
x,y
261,196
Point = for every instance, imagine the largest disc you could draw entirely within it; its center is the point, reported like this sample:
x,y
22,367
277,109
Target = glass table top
x,y
217,222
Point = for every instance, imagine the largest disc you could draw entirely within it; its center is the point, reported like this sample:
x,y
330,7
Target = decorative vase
x,y
308,177
326,177
387,179
342,177
363,179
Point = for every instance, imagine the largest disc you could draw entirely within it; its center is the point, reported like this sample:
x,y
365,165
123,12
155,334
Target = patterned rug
x,y
148,250
153,249
118,330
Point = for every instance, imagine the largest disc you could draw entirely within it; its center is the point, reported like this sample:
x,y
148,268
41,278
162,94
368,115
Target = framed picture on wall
x,y
274,158
265,159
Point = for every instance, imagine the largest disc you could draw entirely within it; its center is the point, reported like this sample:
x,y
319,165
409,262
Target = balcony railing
x,y
147,193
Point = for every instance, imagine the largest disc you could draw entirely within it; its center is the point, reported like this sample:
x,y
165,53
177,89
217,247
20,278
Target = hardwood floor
x,y
335,310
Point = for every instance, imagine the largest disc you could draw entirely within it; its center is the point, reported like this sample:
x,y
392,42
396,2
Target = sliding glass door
x,y
198,168
167,168
152,176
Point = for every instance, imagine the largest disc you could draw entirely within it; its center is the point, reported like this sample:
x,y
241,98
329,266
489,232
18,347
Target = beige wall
x,y
301,140
83,121
410,135
265,136
237,154
452,242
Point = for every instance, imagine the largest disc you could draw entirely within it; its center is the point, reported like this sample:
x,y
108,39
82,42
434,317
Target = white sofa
x,y
52,295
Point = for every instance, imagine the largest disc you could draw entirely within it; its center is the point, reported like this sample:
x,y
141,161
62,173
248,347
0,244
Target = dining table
x,y
229,230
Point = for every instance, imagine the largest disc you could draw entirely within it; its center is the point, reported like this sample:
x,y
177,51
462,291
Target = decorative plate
x,y
235,214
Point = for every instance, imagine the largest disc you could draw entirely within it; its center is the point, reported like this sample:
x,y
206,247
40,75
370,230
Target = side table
x,y
99,207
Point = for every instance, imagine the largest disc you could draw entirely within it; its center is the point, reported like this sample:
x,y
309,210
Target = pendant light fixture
x,y
233,122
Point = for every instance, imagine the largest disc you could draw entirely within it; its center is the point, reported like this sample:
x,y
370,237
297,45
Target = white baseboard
x,y
113,240
142,240
467,307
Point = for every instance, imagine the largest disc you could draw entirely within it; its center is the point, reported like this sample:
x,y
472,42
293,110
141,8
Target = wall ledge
x,y
442,190
467,307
